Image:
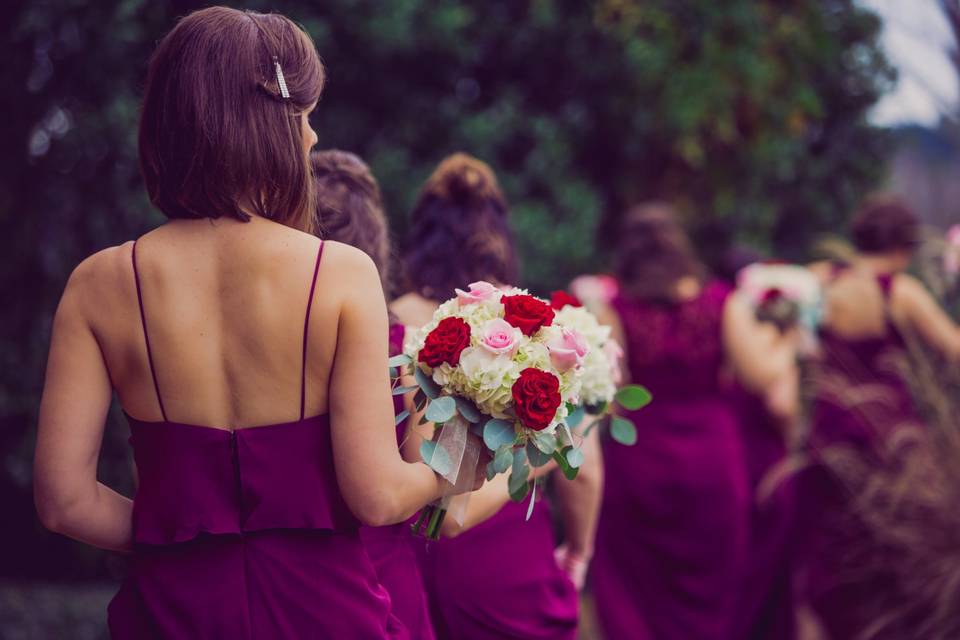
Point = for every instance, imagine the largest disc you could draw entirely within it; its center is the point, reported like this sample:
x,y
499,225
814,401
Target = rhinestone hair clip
x,y
281,82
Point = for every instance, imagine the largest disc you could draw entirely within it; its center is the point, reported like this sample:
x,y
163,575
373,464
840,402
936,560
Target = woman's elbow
x,y
53,513
377,510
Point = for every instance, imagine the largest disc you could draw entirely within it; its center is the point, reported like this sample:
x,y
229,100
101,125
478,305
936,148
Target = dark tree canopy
x,y
750,115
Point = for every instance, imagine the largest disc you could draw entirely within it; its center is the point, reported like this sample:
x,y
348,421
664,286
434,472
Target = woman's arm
x,y
759,364
379,487
922,313
73,411
579,503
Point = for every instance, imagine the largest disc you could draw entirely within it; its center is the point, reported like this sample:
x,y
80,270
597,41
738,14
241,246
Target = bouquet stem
x,y
429,521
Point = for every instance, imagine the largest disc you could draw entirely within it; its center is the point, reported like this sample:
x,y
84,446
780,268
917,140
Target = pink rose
x,y
500,337
614,355
595,288
953,235
567,350
479,291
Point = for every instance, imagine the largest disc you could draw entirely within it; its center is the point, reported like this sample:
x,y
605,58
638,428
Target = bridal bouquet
x,y
502,365
783,294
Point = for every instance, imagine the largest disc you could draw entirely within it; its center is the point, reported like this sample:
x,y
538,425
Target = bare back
x,y
224,304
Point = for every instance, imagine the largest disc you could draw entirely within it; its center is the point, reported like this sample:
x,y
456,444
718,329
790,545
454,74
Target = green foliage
x,y
623,431
633,397
747,113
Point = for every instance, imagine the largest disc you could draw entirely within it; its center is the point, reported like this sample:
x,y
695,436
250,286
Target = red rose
x,y
536,398
561,299
446,343
527,313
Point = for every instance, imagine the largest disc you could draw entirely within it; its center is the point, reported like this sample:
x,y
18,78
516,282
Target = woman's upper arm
x,y
926,317
758,362
76,398
361,409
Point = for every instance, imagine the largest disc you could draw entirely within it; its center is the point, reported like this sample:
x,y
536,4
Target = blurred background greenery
x,y
751,115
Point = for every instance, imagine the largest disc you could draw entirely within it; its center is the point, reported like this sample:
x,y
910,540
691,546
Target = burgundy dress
x,y
244,534
500,581
673,530
391,548
862,398
766,610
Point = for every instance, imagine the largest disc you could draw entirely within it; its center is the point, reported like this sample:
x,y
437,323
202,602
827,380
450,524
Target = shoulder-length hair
x,y
216,131
654,253
349,207
459,231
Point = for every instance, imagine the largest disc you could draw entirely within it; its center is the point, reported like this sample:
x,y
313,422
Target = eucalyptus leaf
x,y
633,397
575,417
623,431
518,486
403,415
533,498
561,459
399,360
491,471
435,457
503,459
545,442
468,410
536,457
420,400
441,410
401,391
429,387
497,433
519,461
574,457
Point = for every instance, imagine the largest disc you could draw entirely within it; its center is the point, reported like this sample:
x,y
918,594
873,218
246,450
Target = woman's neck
x,y
881,263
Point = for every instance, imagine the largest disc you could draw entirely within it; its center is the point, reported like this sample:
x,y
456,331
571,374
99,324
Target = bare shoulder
x,y
99,277
908,290
412,309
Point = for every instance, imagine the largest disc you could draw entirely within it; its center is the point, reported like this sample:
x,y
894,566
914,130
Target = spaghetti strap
x,y
146,334
306,329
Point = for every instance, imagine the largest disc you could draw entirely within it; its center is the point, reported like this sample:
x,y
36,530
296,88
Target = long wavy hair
x,y
459,231
349,208
654,253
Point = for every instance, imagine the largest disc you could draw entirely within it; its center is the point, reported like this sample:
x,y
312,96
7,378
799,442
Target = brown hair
x,y
215,131
349,207
884,223
654,253
459,232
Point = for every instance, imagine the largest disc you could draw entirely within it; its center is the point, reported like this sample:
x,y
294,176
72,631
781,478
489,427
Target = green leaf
x,y
497,433
545,442
503,459
429,387
399,360
561,459
402,391
468,410
533,497
403,415
518,484
574,457
435,457
623,431
575,417
441,410
536,457
633,397
491,471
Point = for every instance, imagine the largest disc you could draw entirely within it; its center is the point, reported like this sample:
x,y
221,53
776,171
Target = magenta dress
x,y
861,399
244,534
673,532
500,581
391,548
766,610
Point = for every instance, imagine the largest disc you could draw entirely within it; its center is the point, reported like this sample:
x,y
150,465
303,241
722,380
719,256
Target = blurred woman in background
x,y
497,576
674,528
350,210
863,401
